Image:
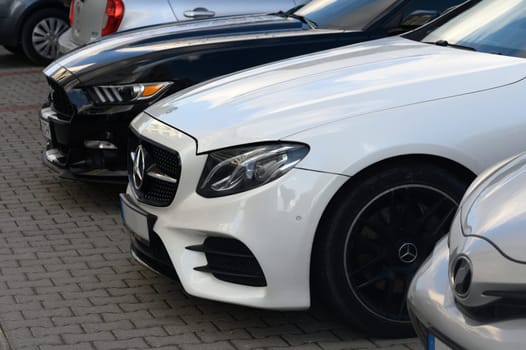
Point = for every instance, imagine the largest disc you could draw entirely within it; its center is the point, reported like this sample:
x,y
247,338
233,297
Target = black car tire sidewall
x,y
13,49
329,278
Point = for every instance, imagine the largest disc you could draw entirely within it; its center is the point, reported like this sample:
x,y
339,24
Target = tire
x,y
13,49
40,34
374,237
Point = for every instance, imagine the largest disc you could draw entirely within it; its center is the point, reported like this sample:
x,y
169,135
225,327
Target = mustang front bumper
x,y
90,149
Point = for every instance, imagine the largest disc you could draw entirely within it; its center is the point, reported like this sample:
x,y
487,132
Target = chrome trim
x,y
103,172
139,168
99,144
161,176
143,263
54,156
102,99
199,13
48,113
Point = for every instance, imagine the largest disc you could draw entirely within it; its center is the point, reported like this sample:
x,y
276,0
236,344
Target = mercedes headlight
x,y
240,169
120,94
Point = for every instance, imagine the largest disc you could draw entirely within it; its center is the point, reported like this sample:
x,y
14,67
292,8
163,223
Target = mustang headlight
x,y
239,169
119,94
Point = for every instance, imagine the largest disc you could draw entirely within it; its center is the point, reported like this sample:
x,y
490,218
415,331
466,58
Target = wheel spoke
x,y
445,220
431,211
389,297
39,32
45,26
368,265
380,277
375,225
403,307
62,27
40,46
411,209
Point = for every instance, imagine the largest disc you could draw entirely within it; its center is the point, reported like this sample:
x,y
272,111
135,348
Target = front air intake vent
x,y
231,261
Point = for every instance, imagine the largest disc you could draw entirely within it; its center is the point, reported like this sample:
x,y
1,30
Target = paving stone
x,y
223,345
187,338
350,344
260,343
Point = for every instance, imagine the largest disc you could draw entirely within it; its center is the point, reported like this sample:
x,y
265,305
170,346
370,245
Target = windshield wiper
x,y
446,44
305,20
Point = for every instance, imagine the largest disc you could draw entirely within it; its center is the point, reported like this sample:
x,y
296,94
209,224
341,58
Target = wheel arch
x,y
458,169
33,8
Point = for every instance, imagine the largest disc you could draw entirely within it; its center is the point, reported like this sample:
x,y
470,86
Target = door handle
x,y
199,13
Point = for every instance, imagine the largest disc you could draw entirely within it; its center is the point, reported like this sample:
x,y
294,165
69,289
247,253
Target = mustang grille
x,y
60,101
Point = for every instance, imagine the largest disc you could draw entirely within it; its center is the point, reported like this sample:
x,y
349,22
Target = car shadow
x,y
14,61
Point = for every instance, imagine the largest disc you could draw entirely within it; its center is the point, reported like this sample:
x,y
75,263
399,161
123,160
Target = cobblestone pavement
x,y
66,276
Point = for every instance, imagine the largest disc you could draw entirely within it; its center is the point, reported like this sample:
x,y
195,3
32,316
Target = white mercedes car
x,y
471,293
329,176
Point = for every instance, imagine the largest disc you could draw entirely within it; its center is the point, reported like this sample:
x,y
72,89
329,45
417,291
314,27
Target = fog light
x,y
462,274
99,144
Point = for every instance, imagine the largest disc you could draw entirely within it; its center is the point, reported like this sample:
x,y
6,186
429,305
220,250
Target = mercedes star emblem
x,y
408,253
139,168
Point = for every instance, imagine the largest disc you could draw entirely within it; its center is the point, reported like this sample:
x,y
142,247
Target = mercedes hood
x,y
273,101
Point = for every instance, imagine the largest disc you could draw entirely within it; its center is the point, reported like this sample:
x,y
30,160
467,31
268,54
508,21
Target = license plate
x,y
44,127
433,343
135,219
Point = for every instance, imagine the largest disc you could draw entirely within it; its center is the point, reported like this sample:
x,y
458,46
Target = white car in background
x,y
91,19
332,174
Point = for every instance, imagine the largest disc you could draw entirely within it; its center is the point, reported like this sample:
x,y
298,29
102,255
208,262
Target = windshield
x,y
493,26
345,14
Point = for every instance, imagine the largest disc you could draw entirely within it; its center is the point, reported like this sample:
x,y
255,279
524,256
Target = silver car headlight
x,y
240,169
123,94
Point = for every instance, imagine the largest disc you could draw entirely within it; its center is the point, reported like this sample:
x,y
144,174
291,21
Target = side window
x,y
404,18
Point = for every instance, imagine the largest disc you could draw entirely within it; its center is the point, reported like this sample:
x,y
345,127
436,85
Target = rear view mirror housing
x,y
417,18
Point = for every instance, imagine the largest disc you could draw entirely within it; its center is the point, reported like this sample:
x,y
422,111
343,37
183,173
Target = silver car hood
x,y
497,211
277,100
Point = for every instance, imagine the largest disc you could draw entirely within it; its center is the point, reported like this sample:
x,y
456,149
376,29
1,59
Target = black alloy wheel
x,y
376,237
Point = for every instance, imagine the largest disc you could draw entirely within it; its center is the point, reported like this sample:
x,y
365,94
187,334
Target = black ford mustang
x,y
97,90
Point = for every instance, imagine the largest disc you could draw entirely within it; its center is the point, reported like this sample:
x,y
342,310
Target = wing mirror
x,y
417,18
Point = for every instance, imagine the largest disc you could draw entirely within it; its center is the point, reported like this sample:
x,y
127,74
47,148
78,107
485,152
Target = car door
x,y
195,9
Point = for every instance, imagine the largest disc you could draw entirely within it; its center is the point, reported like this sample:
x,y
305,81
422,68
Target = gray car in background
x,y
32,27
92,19
471,293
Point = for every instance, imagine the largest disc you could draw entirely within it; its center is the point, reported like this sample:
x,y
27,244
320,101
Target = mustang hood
x,y
273,101
125,47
